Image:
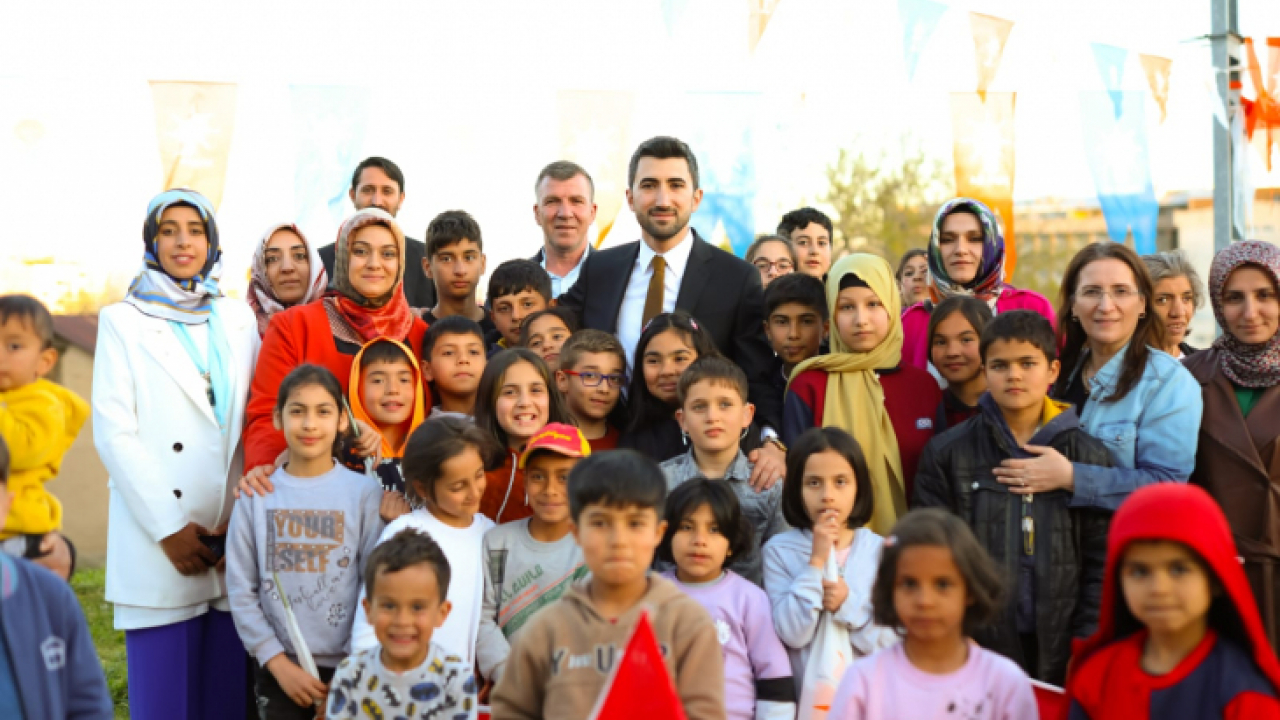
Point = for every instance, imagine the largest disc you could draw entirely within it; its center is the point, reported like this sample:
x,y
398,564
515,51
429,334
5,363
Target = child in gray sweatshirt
x,y
308,540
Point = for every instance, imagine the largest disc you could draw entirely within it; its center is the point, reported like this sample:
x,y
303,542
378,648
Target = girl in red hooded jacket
x,y
1179,635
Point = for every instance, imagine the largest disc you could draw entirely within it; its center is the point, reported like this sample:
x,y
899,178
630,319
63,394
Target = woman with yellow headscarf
x,y
863,387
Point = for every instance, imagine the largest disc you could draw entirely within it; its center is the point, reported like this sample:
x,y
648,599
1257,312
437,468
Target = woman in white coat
x,y
171,375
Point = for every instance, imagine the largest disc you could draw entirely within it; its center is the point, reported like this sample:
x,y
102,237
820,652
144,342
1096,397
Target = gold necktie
x,y
653,301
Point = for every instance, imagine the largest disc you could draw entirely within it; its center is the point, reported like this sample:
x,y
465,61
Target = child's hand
x,y
768,466
256,482
826,531
370,441
393,505
297,683
834,594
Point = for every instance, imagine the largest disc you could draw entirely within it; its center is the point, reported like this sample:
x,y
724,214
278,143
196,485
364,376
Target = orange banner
x,y
1157,70
595,132
983,136
760,13
990,33
193,124
1264,111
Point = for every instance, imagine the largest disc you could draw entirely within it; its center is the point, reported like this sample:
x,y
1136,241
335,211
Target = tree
x,y
884,205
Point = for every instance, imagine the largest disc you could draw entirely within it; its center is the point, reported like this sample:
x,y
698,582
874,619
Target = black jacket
x,y
418,288
721,291
1070,543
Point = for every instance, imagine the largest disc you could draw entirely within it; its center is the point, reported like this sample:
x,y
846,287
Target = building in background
x,y
81,486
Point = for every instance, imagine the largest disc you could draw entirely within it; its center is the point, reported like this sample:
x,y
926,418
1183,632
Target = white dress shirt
x,y
562,285
631,314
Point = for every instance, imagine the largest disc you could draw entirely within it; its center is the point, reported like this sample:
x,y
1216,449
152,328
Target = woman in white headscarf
x,y
286,271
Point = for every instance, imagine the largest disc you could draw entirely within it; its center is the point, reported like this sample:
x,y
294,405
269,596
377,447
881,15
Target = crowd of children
x,y
483,518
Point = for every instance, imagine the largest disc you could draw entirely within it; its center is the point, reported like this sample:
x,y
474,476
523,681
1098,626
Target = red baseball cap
x,y
560,438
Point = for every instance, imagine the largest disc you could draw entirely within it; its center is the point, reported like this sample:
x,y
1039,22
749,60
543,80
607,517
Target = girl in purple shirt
x,y
705,529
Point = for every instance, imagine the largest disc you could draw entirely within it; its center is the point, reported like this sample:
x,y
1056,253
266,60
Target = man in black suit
x,y
672,268
378,182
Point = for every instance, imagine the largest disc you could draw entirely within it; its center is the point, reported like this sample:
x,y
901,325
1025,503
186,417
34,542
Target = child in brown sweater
x,y
561,661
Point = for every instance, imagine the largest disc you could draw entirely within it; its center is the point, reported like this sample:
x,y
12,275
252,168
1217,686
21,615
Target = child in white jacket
x,y
827,499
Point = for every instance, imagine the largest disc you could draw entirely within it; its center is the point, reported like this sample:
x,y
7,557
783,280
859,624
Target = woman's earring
x,y
684,437
743,436
1141,315
1075,318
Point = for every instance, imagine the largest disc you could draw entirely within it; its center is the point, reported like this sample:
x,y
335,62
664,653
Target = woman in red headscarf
x,y
367,302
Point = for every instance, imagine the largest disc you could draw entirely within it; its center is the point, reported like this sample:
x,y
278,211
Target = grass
x,y
89,584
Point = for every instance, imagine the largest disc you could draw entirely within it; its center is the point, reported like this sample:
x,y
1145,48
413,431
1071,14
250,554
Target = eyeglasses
x,y
1093,295
783,266
593,379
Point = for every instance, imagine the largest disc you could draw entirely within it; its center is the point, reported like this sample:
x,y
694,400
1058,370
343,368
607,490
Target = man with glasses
x,y
773,256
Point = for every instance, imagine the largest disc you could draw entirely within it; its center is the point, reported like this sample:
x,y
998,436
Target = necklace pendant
x,y
208,389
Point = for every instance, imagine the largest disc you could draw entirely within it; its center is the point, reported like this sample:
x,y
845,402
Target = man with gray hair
x,y
565,209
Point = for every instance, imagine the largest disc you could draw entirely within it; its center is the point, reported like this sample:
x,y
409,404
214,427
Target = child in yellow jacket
x,y
38,419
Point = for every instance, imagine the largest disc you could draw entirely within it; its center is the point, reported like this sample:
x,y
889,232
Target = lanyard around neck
x,y
189,345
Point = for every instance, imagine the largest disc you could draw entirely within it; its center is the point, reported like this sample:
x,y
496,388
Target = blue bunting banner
x,y
919,20
328,129
1116,145
672,12
1111,61
725,151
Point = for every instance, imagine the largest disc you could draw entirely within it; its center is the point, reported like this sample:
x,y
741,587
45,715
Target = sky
x,y
463,95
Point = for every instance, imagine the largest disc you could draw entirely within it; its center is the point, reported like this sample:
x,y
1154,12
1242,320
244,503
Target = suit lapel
x,y
616,279
160,342
695,278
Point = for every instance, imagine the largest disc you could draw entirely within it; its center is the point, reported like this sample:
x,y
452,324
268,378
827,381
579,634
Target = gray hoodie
x,y
315,534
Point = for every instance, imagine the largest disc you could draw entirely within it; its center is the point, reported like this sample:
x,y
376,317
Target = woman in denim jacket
x,y
1139,401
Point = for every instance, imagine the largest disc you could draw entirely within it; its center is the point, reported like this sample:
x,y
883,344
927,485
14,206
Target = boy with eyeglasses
x,y
593,371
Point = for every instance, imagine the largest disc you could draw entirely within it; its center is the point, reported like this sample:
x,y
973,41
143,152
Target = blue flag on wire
x,y
1116,146
919,20
727,168
328,129
1111,61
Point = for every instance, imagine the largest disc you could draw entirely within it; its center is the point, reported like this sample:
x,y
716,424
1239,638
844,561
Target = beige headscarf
x,y
855,398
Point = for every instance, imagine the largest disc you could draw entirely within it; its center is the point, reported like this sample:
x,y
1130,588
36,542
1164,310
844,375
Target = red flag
x,y
1051,700
1264,111
640,686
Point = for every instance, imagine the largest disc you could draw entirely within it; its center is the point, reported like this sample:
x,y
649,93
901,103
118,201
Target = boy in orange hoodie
x,y
386,392
38,419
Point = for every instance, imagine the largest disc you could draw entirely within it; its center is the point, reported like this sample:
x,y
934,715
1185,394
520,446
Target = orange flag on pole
x,y
1157,70
640,686
1264,111
595,132
193,124
983,145
990,33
